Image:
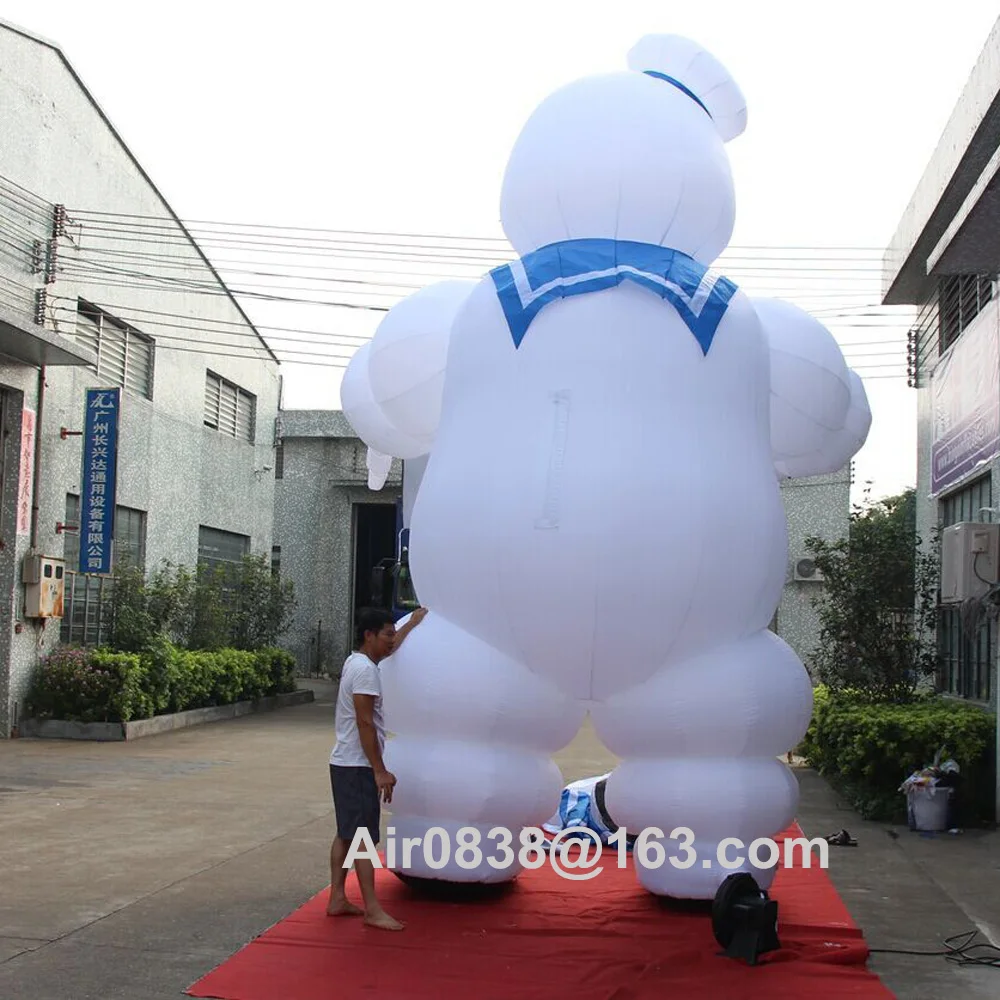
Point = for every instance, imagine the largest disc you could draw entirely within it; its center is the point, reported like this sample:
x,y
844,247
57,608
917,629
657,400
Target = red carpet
x,y
550,939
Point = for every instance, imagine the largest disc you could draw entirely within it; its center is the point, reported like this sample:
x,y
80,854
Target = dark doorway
x,y
374,540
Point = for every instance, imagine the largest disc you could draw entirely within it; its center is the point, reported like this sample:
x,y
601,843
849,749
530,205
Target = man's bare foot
x,y
383,922
342,908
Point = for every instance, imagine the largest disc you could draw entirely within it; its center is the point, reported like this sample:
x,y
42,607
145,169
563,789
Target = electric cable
x,y
241,265
328,359
193,223
855,359
248,234
325,339
796,276
960,954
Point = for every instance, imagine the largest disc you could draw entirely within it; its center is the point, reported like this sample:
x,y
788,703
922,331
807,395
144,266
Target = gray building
x,y
101,286
331,530
944,259
817,507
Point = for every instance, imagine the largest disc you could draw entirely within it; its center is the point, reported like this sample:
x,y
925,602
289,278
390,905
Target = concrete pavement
x,y
129,870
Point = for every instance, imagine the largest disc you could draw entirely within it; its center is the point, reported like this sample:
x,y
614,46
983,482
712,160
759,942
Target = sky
x,y
398,118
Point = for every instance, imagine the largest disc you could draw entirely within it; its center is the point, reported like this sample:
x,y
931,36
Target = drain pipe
x,y
37,472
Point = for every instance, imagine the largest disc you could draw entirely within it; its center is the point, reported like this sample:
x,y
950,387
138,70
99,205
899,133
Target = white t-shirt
x,y
359,676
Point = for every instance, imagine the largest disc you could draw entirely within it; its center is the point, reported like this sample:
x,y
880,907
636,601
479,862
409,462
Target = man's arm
x,y
364,709
415,619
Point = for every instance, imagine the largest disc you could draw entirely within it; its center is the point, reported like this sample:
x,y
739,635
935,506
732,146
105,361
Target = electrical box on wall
x,y
970,560
45,579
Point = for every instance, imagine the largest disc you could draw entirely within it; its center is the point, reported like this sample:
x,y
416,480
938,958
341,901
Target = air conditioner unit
x,y
806,571
970,560
45,581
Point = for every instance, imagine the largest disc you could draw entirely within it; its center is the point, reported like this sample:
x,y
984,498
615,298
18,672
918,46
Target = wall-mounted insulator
x,y
41,301
51,256
58,221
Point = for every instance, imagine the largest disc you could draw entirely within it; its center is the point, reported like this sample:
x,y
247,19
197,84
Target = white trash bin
x,y
928,808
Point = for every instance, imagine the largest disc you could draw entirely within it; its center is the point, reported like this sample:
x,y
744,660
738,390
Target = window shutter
x,y
139,368
113,354
245,417
213,389
88,329
227,409
124,356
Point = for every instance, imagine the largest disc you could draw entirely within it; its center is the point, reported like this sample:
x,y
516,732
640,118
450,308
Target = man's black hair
x,y
371,620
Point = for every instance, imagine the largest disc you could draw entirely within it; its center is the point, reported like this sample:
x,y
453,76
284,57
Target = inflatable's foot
x,y
422,851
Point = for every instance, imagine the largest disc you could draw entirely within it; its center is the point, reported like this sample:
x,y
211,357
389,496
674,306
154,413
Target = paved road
x,y
130,870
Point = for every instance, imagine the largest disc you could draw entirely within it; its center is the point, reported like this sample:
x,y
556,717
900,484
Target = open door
x,y
404,597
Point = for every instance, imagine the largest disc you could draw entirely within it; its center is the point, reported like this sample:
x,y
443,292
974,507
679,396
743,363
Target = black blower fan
x,y
744,919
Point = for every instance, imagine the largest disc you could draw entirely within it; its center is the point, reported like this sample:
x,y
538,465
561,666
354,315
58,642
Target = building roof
x,y
114,131
314,424
946,228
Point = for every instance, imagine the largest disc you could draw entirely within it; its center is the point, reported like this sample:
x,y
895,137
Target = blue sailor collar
x,y
575,267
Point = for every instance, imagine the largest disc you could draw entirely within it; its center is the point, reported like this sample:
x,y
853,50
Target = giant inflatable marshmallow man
x,y
599,525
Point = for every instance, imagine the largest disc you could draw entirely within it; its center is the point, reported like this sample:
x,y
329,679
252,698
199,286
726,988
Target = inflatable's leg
x,y
699,744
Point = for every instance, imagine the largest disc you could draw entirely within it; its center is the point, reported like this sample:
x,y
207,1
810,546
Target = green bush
x,y
212,608
89,686
866,749
94,685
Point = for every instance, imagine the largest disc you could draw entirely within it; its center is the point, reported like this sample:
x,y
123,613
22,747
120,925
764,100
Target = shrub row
x,y
866,749
97,685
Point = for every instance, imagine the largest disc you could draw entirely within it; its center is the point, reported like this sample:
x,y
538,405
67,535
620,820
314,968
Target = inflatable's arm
x,y
391,390
820,415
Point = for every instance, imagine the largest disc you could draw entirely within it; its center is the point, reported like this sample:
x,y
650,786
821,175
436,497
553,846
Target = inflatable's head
x,y
637,155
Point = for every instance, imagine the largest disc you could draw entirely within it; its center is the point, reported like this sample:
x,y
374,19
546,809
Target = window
x,y
221,548
944,314
87,598
961,297
965,660
275,560
228,408
124,356
279,461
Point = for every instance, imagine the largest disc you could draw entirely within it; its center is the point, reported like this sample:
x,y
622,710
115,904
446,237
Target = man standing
x,y
358,776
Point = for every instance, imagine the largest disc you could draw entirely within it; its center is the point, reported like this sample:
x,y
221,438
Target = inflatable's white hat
x,y
698,74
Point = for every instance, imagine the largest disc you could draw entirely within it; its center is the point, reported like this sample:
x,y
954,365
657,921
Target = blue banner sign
x,y
97,490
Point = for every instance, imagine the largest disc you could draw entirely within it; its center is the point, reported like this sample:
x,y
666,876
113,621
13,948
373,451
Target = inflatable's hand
x,y
839,448
820,415
391,390
378,469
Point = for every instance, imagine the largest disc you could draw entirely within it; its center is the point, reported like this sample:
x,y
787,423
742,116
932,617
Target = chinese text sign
x,y
97,491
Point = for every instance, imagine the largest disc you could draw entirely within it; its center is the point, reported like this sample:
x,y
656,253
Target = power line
x,y
123,311
860,363
28,195
342,363
222,293
195,223
247,235
121,277
797,277
26,203
423,254
232,265
85,265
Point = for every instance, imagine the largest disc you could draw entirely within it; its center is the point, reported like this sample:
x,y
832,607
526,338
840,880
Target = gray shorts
x,y
355,802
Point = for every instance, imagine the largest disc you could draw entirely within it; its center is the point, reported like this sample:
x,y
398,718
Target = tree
x,y
263,605
878,611
242,606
